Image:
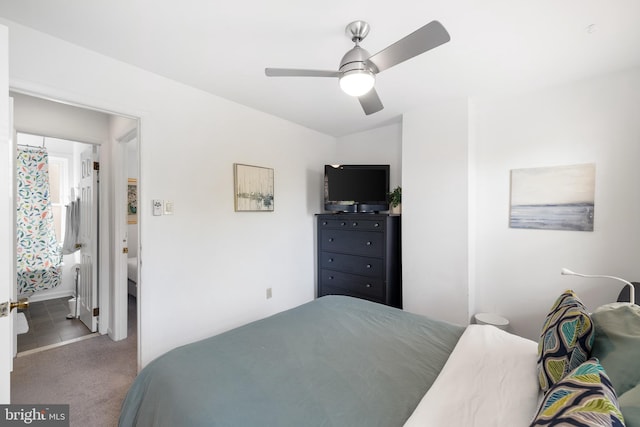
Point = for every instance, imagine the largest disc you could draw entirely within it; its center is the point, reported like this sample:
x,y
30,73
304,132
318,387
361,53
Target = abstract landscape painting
x,y
553,198
253,188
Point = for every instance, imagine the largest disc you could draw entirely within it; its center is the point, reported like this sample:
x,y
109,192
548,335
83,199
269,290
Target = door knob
x,y
6,307
22,304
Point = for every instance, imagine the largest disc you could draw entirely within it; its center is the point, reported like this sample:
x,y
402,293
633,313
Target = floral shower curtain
x,y
38,251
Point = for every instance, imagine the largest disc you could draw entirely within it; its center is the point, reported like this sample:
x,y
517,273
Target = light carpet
x,y
92,376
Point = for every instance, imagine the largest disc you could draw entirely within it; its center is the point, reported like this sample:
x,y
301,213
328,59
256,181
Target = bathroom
x,y
114,139
53,316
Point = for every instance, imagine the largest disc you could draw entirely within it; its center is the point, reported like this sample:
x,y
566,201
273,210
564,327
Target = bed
x,y
342,361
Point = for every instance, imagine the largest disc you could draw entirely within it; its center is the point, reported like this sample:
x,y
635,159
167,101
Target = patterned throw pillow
x,y
566,339
585,397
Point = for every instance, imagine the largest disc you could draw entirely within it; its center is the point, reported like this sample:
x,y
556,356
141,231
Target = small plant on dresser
x,y
395,200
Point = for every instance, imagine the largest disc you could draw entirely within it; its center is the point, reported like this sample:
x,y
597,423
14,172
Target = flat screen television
x,y
356,188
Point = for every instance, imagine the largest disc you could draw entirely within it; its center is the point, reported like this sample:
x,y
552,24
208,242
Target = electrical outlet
x,y
269,293
168,207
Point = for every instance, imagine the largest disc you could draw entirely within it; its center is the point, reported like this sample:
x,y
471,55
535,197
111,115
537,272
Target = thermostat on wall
x,y
157,207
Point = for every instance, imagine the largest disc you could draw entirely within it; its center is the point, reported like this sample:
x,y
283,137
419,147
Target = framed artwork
x,y
252,188
132,201
553,198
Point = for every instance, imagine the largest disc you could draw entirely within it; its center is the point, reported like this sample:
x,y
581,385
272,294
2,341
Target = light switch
x,y
168,207
157,207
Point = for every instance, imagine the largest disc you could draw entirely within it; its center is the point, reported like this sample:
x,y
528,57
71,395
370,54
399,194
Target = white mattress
x,y
490,379
132,269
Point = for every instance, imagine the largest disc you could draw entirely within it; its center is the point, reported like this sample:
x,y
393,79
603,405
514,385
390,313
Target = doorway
x,y
34,115
59,297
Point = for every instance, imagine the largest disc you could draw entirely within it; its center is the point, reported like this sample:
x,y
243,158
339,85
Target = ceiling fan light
x,y
357,82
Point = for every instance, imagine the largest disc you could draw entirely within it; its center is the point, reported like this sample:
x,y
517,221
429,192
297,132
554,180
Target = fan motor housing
x,y
356,59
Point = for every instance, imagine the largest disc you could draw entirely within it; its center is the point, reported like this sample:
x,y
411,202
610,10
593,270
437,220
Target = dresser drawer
x,y
371,267
367,243
335,282
352,224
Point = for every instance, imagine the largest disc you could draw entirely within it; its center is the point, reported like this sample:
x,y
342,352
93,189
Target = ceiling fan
x,y
358,68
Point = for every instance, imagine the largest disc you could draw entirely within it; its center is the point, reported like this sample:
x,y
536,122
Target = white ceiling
x,y
497,47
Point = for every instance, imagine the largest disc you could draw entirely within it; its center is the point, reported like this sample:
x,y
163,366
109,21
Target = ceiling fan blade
x,y
370,102
292,72
423,39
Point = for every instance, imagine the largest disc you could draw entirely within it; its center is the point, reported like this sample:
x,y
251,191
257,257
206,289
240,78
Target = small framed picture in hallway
x,y
132,201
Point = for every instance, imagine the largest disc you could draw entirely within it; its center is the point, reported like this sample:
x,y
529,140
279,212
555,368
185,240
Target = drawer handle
x,y
355,224
331,239
343,223
376,224
324,222
368,243
368,265
330,277
330,260
368,285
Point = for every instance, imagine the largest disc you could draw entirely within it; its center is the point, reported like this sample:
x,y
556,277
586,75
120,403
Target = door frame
x,y
108,250
120,230
7,230
13,268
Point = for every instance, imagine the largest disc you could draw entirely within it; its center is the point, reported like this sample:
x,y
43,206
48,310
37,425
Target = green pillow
x,y
565,341
630,407
583,398
617,345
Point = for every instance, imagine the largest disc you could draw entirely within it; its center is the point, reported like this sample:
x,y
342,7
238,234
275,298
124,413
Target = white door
x,y
7,208
88,239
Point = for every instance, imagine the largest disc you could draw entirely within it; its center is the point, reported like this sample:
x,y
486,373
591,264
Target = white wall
x,y
594,121
459,254
435,154
42,117
206,268
382,145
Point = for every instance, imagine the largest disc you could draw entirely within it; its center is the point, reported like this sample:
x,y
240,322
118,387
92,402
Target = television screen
x,y
356,188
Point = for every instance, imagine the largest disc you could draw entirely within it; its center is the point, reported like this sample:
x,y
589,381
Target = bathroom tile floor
x,y
48,324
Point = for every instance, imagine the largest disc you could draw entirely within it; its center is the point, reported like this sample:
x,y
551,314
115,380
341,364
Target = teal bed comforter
x,y
335,361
